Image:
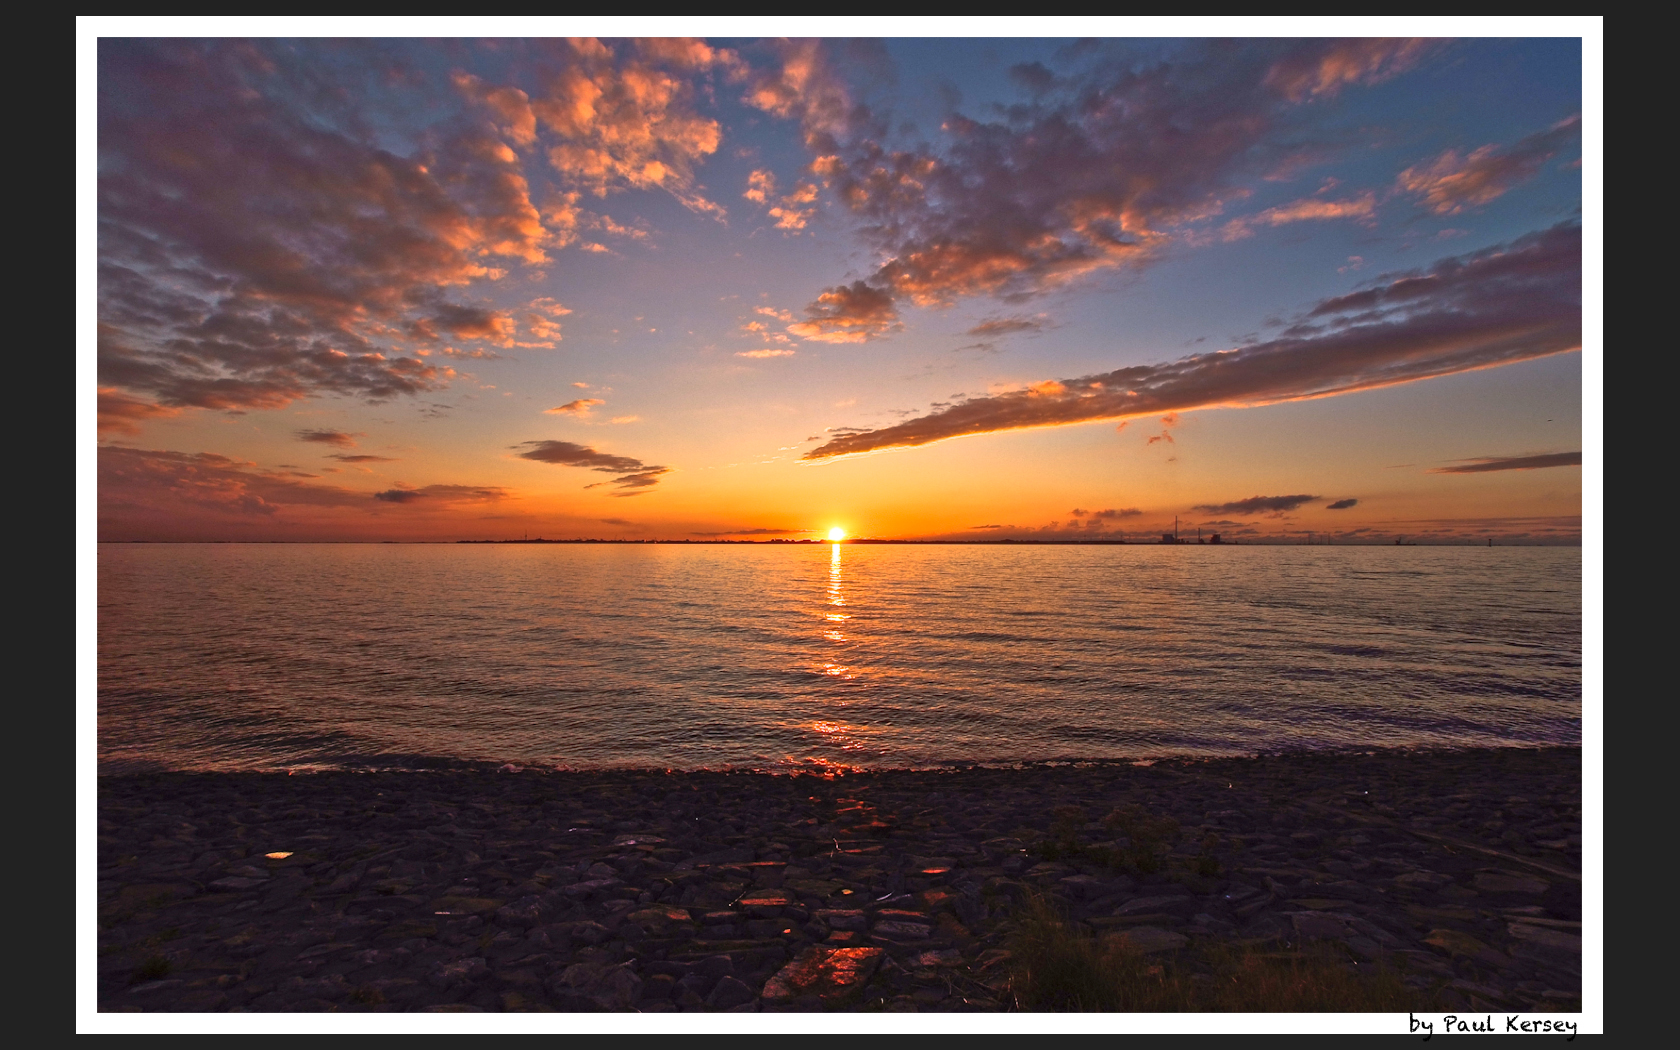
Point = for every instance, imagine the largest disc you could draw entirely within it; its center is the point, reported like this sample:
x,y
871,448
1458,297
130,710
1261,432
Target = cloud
x,y
1362,208
756,532
618,521
996,326
262,239
760,186
360,458
1488,463
1451,183
335,438
768,352
1102,515
282,220
120,413
635,484
1098,170
1257,505
1323,68
635,475
580,408
1342,504
1509,303
168,493
443,494
624,118
793,213
138,479
850,313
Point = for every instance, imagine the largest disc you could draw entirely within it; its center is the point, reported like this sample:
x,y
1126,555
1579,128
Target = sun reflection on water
x,y
834,617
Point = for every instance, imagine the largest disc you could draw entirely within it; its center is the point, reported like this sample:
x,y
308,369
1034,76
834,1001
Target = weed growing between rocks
x,y
1057,966
1148,841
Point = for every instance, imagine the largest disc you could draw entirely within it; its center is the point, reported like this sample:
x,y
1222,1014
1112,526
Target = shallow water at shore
x,y
319,656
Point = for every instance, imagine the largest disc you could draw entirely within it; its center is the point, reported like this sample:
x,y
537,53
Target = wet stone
x,y
835,975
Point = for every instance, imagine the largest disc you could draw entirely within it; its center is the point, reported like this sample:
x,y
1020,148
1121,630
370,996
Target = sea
x,y
822,656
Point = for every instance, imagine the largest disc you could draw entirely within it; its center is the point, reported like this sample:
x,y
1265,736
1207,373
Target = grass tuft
x,y
1057,966
152,968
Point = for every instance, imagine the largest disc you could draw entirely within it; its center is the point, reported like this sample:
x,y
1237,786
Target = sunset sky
x,y
927,287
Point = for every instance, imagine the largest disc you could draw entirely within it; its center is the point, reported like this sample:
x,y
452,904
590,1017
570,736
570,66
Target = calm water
x,y
268,656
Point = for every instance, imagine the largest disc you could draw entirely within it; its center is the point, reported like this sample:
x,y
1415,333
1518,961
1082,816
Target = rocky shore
x,y
895,890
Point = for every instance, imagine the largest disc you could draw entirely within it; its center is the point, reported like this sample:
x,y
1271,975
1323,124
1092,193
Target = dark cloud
x,y
848,314
443,494
1127,512
1450,183
360,458
1342,504
617,521
755,532
637,477
1257,505
336,438
634,484
1478,466
1509,303
141,488
1097,170
995,326
271,230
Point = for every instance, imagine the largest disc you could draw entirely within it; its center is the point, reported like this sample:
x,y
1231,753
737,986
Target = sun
x,y
836,534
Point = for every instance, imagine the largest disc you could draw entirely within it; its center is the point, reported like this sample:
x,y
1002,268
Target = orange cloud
x,y
1362,208
121,414
1450,183
623,120
760,185
1325,67
579,408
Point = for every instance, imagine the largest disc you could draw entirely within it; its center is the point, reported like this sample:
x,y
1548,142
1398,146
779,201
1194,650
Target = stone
x,y
730,993
1083,887
459,971
463,905
1507,882
1426,880
522,913
836,975
588,888
1546,937
1315,925
943,957
1149,904
897,930
843,918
